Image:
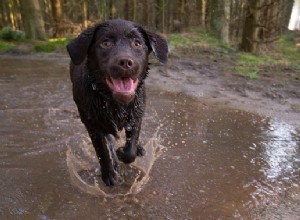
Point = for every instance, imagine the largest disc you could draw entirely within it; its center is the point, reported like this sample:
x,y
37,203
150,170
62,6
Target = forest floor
x,y
274,92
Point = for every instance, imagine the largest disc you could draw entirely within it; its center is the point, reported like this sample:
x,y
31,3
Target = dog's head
x,y
117,55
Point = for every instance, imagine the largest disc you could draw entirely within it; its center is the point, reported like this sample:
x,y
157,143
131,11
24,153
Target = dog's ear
x,y
156,44
79,46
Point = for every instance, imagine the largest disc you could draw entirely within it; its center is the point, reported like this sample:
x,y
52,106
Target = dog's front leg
x,y
128,153
105,152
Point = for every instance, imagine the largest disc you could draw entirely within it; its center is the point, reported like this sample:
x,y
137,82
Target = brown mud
x,y
276,93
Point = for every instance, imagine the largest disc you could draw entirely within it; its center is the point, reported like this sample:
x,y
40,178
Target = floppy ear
x,y
159,47
157,44
79,46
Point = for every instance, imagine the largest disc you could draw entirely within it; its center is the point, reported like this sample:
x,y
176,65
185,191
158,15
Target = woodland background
x,y
250,24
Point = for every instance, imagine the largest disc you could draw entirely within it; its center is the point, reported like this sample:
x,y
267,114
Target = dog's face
x,y
117,53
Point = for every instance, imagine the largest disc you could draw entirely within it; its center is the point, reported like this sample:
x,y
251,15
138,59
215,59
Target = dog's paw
x,y
109,180
109,177
129,157
125,156
140,151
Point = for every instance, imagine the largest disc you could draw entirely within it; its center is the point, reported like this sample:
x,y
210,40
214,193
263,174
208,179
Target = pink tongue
x,y
123,85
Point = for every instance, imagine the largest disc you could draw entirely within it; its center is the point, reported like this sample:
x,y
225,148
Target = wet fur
x,y
103,112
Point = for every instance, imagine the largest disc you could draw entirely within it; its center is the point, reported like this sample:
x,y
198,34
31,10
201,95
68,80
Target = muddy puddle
x,y
202,162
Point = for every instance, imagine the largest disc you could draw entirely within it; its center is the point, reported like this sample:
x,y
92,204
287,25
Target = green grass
x,y
285,55
49,46
52,45
195,38
286,46
250,72
281,56
249,65
5,46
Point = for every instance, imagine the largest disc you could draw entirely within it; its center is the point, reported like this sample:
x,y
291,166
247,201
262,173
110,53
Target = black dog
x,y
109,63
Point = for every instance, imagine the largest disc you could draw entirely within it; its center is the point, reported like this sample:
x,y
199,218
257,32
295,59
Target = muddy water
x,y
204,162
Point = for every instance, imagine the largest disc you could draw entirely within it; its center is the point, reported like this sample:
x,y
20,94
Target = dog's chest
x,y
115,115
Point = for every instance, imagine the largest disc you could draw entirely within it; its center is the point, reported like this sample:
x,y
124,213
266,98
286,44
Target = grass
x,y
195,42
11,39
283,56
5,46
249,65
52,45
289,52
49,46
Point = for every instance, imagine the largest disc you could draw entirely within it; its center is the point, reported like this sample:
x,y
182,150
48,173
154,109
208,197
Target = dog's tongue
x,y
123,85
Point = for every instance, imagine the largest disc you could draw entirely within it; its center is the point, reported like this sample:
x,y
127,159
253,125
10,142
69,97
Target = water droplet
x,y
128,128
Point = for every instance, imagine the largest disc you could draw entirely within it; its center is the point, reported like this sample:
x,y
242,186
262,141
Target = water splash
x,y
85,171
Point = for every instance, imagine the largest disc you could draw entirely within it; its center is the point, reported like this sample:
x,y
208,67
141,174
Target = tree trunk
x,y
126,10
203,14
33,20
224,32
134,11
112,9
85,4
145,17
4,14
157,12
56,14
163,15
250,32
11,15
286,14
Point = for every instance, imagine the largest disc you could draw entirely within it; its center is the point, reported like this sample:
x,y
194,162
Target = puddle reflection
x,y
280,150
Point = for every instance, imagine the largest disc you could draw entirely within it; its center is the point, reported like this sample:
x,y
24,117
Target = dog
x,y
109,63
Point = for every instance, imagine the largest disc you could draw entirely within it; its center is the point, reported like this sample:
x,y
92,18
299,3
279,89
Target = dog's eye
x,y
136,44
106,44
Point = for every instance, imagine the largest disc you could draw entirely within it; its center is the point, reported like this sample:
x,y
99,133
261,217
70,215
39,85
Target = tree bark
x,y
286,14
85,4
126,10
33,20
56,14
225,19
203,14
145,17
250,32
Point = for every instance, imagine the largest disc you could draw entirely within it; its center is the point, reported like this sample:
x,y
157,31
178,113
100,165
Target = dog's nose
x,y
126,63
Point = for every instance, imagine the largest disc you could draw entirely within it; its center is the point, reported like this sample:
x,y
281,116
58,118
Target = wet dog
x,y
109,63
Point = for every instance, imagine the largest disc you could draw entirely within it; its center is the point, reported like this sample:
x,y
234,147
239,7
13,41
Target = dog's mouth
x,y
124,85
123,88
